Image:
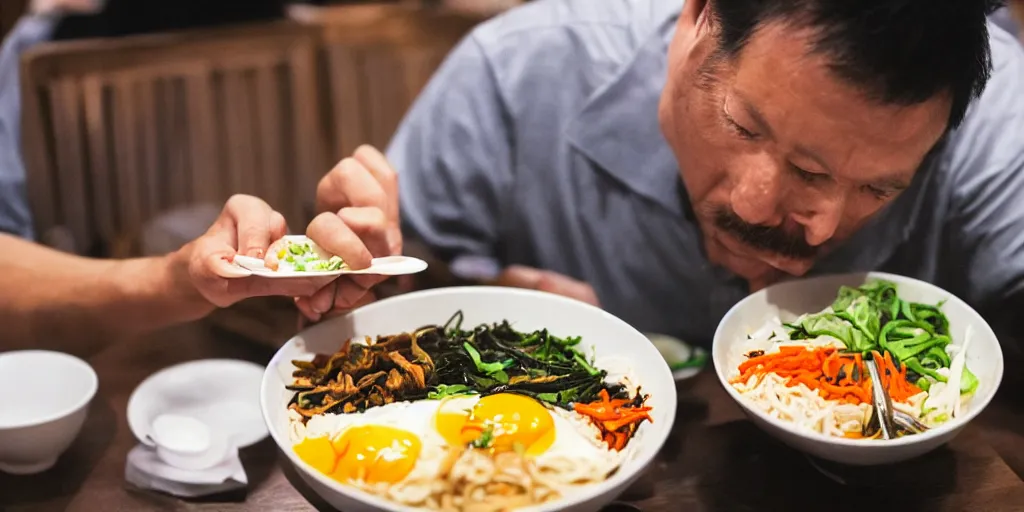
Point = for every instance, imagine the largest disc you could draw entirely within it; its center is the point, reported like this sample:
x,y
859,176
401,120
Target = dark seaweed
x,y
496,358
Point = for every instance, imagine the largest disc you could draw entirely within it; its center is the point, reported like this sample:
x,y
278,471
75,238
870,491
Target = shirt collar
x,y
618,127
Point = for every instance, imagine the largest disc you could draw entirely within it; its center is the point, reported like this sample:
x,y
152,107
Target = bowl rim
x,y
90,389
619,479
978,403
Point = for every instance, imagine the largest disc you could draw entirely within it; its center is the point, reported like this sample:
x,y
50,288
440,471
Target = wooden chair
x,y
378,58
118,131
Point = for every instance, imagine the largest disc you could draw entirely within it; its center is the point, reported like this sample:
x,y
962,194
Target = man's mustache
x,y
772,239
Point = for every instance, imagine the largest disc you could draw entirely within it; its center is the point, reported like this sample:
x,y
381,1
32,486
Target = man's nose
x,y
821,220
757,196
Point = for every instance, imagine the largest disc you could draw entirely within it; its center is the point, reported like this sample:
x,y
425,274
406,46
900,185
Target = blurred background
x,y
132,121
136,114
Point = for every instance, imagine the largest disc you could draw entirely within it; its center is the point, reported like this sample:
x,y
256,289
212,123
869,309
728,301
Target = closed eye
x,y
878,193
737,129
808,176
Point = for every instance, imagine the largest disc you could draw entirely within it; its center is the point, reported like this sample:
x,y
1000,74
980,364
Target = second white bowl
x,y
790,299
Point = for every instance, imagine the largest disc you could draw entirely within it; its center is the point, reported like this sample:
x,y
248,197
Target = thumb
x,y
216,259
221,267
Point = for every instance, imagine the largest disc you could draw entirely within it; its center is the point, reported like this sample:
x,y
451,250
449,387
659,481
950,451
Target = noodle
x,y
803,406
479,481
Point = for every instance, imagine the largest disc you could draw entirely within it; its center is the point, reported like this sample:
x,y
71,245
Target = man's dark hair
x,y
897,51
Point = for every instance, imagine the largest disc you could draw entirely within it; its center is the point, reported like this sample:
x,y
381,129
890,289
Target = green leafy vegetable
x,y
444,391
488,368
485,439
968,382
874,317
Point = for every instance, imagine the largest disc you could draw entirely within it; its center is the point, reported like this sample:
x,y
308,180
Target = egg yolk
x,y
317,452
512,421
370,453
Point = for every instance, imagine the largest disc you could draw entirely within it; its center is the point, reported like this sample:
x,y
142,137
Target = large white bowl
x,y
44,398
528,310
790,299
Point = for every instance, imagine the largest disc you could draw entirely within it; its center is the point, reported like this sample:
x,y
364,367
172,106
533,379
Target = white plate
x,y
223,393
386,266
679,352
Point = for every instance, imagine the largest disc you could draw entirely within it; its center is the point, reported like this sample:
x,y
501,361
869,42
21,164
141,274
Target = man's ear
x,y
695,13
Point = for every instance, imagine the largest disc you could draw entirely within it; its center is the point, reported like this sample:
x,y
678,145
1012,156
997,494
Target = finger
x,y
219,266
256,286
350,184
254,222
334,236
272,260
214,257
368,280
371,226
343,293
278,225
375,162
366,299
302,304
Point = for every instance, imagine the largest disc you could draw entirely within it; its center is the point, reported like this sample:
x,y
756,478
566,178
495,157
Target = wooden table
x,y
714,460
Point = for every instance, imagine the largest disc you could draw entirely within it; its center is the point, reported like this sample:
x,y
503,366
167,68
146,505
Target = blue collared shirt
x,y
15,216
537,143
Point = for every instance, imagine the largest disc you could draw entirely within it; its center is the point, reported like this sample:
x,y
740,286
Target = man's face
x,y
782,160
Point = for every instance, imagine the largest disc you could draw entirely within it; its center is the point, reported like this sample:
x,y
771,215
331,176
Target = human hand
x,y
359,221
518,276
247,225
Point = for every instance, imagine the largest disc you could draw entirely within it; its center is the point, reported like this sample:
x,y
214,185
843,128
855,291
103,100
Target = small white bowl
x,y
607,335
44,398
790,299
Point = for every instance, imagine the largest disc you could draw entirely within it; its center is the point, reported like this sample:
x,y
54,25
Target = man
x,y
663,160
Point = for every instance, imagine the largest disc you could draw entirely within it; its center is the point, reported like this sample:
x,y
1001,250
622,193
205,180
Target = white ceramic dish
x,y
223,394
685,361
790,299
44,399
386,266
528,310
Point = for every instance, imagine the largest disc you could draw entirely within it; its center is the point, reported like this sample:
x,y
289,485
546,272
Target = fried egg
x,y
386,444
517,422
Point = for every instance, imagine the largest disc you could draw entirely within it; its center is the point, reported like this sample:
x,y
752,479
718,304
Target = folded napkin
x,y
146,470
